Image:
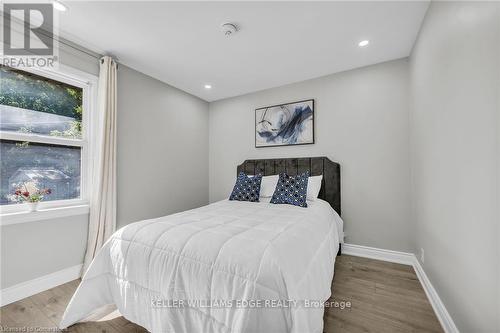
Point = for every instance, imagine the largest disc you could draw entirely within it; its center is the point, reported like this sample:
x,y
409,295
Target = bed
x,y
229,266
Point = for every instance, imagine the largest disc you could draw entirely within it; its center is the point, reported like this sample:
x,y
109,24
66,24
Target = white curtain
x,y
102,221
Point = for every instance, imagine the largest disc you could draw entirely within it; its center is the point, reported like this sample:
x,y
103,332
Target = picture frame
x,y
287,124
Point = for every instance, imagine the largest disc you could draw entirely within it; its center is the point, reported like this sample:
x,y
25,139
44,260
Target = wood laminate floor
x,y
384,297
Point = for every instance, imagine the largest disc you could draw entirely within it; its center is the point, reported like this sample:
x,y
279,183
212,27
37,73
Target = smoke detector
x,y
229,28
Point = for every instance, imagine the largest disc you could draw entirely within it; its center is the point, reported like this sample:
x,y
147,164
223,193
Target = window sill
x,y
43,214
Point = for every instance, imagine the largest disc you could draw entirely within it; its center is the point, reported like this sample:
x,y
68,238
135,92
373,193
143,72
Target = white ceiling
x,y
181,43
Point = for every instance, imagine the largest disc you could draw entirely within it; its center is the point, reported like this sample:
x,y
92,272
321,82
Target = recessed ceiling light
x,y
208,86
59,6
364,43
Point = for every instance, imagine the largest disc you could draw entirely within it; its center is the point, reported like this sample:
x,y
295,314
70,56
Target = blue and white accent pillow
x,y
246,188
291,190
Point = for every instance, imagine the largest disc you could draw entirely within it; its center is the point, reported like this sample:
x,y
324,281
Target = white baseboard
x,y
35,286
407,259
438,306
379,254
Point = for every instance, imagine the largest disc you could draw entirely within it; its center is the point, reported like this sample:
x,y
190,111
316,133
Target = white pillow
x,y
268,185
313,187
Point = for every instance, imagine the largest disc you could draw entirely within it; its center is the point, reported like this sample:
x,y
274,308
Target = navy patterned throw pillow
x,y
246,188
291,190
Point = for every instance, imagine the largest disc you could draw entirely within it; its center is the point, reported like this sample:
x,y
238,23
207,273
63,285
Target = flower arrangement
x,y
29,192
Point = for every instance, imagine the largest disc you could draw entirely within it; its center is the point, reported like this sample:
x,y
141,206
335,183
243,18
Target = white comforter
x,y
193,271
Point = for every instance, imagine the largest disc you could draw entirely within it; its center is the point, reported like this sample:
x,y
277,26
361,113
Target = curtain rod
x,y
76,47
61,40
66,42
86,51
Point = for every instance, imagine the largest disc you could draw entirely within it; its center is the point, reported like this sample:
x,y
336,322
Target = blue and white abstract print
x,y
285,124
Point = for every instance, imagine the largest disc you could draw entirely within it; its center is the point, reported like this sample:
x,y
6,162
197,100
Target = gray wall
x,y
33,249
455,83
361,121
162,169
162,148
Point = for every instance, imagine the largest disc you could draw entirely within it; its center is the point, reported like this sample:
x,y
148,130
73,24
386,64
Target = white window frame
x,y
18,213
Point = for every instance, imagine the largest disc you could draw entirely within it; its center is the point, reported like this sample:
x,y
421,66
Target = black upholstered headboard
x,y
330,187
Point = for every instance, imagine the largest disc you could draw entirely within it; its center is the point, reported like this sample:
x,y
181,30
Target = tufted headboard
x,y
330,187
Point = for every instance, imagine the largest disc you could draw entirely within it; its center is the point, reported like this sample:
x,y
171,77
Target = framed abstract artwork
x,y
285,124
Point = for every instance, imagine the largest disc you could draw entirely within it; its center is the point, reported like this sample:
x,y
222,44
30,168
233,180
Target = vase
x,y
33,206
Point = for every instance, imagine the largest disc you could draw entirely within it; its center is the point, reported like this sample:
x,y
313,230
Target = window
x,y
43,131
